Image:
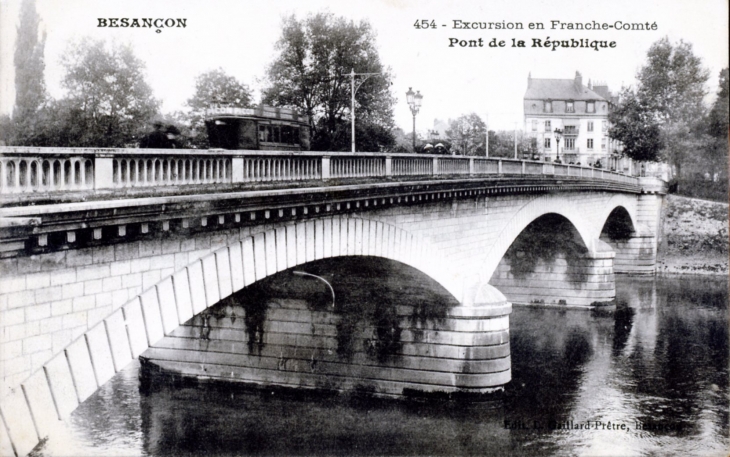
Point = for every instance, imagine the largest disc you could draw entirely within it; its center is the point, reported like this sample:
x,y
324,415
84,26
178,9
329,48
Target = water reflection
x,y
660,360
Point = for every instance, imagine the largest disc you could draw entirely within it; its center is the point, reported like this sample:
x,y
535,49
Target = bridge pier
x,y
636,255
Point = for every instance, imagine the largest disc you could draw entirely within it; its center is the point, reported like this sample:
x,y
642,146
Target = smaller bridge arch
x,y
618,202
531,211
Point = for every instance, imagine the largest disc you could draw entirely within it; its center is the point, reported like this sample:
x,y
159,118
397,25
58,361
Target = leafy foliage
x,y
467,133
502,144
109,103
718,118
214,87
672,82
311,74
663,118
634,123
30,88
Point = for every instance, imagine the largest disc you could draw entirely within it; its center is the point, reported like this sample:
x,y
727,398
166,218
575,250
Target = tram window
x,y
247,135
265,133
295,135
276,134
286,134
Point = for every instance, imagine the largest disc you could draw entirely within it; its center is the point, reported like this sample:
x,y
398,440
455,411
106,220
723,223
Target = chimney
x,y
529,79
578,81
590,85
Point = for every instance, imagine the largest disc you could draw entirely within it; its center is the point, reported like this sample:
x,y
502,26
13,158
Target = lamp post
x,y
414,102
558,134
353,90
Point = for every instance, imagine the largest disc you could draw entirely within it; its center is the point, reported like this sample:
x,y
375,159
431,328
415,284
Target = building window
x,y
548,107
603,144
591,107
590,143
570,144
547,142
570,130
605,126
547,126
534,125
590,126
569,108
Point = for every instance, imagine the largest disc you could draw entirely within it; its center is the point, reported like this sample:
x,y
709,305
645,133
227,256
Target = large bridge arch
x,y
74,374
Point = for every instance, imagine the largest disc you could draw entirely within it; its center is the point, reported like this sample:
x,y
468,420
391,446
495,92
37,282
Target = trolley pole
x,y
353,90
352,107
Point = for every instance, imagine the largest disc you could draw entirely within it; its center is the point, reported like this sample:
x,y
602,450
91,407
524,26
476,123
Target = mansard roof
x,y
558,89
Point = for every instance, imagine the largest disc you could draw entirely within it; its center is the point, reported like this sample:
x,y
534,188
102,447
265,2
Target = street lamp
x,y
558,134
414,102
304,273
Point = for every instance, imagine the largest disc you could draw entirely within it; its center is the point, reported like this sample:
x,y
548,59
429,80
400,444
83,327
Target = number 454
x,y
425,24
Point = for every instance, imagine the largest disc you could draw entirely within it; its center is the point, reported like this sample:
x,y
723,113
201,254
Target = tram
x,y
258,128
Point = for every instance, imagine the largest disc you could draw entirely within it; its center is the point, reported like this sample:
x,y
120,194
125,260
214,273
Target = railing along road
x,y
28,170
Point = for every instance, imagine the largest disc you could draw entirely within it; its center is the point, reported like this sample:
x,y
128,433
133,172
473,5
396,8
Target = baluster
x,y
82,168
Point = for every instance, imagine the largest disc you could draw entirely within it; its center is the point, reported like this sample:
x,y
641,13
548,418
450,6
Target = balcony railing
x,y
46,170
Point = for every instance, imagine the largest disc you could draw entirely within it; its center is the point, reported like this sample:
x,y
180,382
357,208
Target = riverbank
x,y
695,237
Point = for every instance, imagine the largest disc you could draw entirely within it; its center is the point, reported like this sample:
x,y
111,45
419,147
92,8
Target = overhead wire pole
x,y
486,127
354,89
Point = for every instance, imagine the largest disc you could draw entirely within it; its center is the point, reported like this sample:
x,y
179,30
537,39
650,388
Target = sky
x,y
239,36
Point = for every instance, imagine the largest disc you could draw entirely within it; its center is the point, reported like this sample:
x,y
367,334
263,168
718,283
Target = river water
x,y
650,378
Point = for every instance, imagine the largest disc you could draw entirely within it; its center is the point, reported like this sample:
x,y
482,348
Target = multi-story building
x,y
579,111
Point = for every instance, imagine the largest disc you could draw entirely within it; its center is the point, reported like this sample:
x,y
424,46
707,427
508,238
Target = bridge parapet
x,y
26,170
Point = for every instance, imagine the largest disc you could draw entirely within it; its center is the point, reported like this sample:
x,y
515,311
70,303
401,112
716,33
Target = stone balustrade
x,y
29,170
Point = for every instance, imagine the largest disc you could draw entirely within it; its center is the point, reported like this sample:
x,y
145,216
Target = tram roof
x,y
261,111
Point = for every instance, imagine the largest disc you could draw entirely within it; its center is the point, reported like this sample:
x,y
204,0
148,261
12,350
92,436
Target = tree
x,y
213,88
502,144
635,125
672,83
108,101
468,134
668,99
311,73
717,129
30,88
718,118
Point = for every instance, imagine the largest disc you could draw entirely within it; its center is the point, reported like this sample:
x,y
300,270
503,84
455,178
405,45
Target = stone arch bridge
x,y
105,252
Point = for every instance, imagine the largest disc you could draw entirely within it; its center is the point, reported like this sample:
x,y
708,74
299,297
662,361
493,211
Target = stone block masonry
x,y
50,299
